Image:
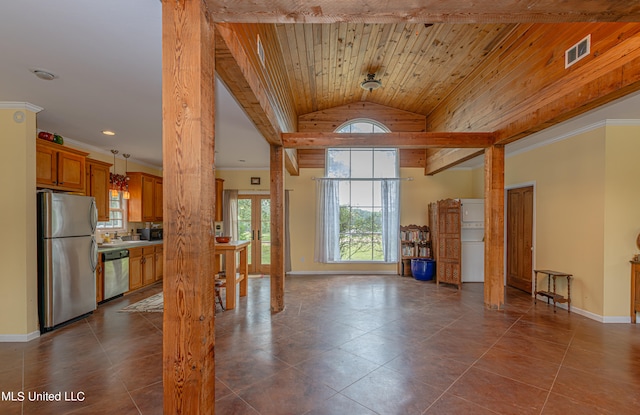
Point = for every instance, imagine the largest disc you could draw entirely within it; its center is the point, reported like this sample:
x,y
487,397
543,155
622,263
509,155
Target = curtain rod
x,y
364,179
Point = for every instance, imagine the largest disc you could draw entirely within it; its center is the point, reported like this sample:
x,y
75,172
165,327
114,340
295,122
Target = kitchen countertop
x,y
127,244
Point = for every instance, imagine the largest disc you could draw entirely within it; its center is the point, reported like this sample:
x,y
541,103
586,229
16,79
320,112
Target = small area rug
x,y
153,304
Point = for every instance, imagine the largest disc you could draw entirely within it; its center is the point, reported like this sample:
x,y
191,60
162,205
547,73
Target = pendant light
x,y
114,190
126,194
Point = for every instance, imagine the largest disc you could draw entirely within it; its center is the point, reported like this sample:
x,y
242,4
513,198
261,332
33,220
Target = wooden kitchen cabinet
x,y
157,198
148,265
97,185
218,205
145,266
159,256
59,167
135,268
145,204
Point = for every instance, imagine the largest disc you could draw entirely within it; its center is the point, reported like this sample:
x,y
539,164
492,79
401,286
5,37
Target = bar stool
x,y
219,283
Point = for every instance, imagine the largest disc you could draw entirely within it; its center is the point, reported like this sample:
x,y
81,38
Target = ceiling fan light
x,y
370,83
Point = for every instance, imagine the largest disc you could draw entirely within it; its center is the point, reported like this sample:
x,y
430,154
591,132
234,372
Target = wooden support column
x,y
494,227
277,228
189,183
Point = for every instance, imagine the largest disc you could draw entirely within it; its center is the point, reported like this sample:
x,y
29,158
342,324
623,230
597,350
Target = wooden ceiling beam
x,y
396,140
441,160
266,101
431,11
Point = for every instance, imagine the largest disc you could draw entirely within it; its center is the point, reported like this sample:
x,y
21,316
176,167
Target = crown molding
x,y
9,105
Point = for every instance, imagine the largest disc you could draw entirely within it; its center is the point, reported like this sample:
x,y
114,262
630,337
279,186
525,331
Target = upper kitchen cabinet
x,y
98,186
145,204
59,167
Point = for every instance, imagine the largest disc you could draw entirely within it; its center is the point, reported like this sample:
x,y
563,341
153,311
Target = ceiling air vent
x,y
577,51
260,50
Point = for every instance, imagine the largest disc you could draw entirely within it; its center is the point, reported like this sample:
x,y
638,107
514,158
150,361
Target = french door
x,y
254,224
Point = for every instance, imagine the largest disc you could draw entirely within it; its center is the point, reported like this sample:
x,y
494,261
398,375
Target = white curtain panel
x,y
327,247
230,213
390,219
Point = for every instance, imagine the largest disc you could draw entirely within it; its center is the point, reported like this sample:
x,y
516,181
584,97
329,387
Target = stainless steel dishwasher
x,y
116,272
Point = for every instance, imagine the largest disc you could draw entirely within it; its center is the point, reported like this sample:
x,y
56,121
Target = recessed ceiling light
x,y
108,132
42,74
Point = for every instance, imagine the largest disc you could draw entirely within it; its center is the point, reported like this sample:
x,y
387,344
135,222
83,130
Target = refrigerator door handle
x,y
93,215
93,255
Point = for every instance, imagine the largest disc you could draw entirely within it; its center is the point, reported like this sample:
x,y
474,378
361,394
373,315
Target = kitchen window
x,y
117,214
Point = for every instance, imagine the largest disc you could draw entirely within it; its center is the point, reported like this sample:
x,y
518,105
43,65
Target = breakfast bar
x,y
235,272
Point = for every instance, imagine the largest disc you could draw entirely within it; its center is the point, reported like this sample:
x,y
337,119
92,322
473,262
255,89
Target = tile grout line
x,y
471,365
558,371
112,366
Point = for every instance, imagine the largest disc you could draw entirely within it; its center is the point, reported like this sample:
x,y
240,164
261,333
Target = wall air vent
x,y
577,51
260,50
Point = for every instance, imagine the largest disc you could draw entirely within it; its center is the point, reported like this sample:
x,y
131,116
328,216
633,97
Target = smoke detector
x,y
42,74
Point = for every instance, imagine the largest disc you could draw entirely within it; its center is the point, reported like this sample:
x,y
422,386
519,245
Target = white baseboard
x,y
19,338
292,273
589,314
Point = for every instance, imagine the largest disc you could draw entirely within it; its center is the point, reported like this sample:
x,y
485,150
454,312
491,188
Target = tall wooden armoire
x,y
444,222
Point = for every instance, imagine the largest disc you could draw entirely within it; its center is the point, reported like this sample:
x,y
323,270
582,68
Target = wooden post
x,y
494,227
277,228
189,194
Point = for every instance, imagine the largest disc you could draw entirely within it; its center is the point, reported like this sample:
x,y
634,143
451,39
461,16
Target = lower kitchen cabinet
x,y
159,254
145,266
135,268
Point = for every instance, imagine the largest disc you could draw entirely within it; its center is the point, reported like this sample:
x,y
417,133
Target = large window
x,y
363,224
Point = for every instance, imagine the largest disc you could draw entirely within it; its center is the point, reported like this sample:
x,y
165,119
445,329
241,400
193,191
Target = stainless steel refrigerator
x,y
67,257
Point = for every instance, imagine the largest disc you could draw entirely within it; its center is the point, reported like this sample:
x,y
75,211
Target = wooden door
x,y
254,224
520,238
448,264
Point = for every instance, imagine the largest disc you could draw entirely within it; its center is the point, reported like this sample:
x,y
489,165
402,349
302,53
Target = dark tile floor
x,y
344,345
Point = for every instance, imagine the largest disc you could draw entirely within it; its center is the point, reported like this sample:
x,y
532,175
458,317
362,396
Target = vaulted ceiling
x,y
499,70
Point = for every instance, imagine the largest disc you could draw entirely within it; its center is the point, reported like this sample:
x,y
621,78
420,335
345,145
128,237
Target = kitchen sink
x,y
120,244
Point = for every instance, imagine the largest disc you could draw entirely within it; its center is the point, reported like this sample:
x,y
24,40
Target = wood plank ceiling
x,y
312,68
447,71
417,64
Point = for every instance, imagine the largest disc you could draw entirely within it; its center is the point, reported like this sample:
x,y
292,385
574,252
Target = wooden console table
x,y
229,250
635,289
551,293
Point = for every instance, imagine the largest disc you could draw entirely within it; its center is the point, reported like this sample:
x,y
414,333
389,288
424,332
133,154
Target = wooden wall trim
x,y
188,152
330,119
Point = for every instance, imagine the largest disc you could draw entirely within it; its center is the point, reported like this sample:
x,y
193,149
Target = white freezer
x,y
472,261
